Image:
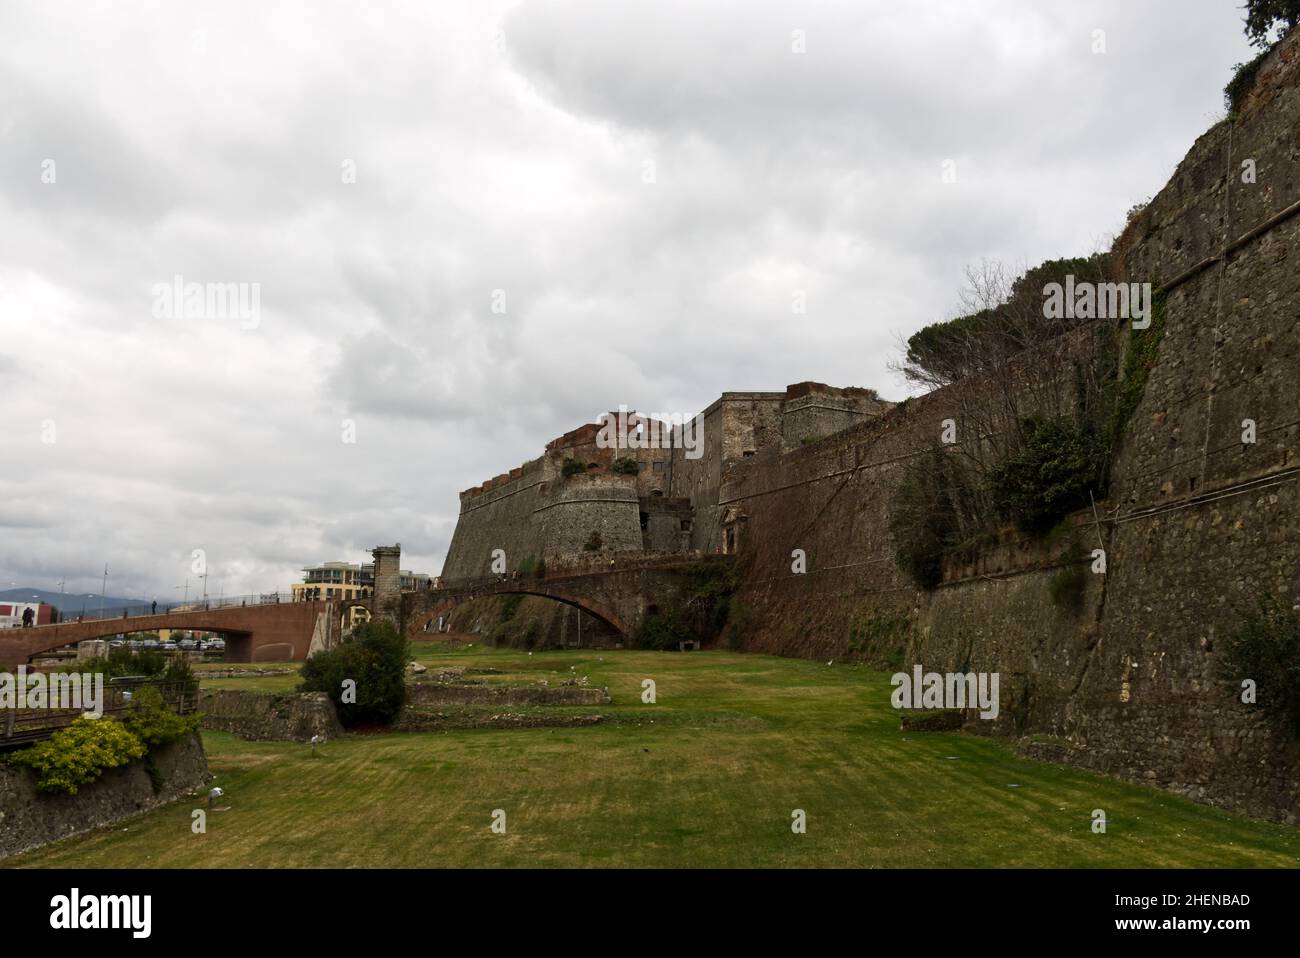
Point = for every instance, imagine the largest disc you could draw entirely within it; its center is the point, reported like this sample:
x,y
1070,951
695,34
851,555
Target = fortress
x,y
669,504
1198,524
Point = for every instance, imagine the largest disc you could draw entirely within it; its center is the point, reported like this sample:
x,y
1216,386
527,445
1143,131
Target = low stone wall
x,y
424,719
440,694
263,717
242,672
30,819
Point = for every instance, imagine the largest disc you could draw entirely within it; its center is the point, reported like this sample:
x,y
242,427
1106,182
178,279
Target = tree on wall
x,y
1262,16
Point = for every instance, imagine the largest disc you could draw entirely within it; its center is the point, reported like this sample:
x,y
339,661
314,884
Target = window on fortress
x,y
645,520
660,465
747,453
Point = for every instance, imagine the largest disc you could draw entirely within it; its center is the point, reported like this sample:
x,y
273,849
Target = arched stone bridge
x,y
619,593
271,632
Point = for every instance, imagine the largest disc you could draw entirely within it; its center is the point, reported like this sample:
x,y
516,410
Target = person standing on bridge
x,y
28,615
153,609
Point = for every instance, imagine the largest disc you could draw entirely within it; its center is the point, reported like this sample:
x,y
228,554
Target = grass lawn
x,y
707,776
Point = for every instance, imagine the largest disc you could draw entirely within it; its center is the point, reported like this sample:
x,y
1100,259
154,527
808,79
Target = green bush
x,y
80,754
1049,478
573,467
625,465
153,723
180,674
375,660
1265,647
664,632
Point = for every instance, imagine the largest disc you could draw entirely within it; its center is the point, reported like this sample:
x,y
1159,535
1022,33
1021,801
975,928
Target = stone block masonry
x,y
30,819
262,717
1198,524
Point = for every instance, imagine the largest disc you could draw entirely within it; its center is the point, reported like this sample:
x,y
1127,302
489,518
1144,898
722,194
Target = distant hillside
x,y
73,602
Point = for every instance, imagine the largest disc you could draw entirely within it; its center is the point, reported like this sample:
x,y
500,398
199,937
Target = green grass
x,y
708,776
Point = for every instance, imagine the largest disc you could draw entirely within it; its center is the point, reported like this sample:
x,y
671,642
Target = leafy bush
x,y
1050,477
1242,82
375,660
179,673
1265,647
664,631
595,543
153,723
625,465
573,467
80,754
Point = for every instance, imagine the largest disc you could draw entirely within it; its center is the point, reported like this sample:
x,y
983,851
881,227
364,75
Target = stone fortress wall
x,y
1197,524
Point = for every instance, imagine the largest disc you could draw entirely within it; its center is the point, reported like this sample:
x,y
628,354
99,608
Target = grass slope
x,y
708,776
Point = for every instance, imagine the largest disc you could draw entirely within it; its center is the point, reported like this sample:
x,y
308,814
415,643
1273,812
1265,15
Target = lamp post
x,y
103,591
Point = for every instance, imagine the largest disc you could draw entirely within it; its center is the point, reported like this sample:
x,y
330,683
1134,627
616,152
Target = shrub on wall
x,y
1050,477
572,467
625,465
80,754
372,665
1265,648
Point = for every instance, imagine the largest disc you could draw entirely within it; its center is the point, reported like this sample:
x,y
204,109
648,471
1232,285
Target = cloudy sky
x,y
475,225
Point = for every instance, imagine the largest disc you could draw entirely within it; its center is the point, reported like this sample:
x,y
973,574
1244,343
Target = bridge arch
x,y
421,619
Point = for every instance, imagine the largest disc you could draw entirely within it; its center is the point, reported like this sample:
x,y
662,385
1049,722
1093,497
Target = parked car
x,y
218,644
116,643
187,645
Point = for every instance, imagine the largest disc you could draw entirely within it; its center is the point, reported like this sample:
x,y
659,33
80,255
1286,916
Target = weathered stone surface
x,y
262,717
445,720
29,819
446,694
